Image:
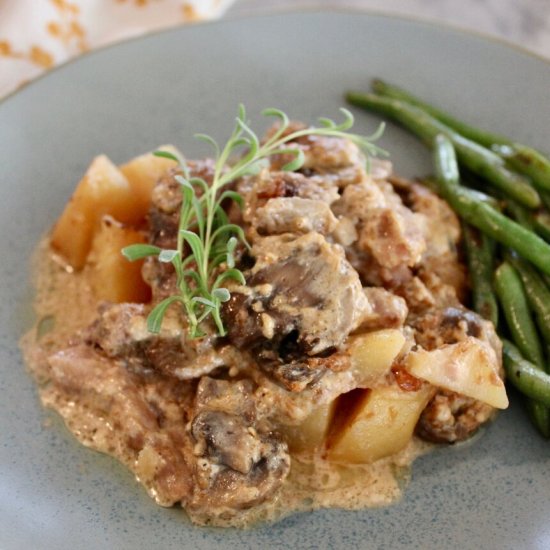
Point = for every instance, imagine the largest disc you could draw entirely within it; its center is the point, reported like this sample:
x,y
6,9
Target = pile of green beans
x,y
506,230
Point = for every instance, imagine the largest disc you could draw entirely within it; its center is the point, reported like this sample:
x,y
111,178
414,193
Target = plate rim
x,y
228,18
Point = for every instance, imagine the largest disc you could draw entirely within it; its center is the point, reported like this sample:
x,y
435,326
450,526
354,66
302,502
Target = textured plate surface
x,y
55,494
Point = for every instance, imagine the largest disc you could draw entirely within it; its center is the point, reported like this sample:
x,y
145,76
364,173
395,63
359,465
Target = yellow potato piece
x,y
372,354
379,423
103,190
469,367
311,433
73,232
113,277
142,174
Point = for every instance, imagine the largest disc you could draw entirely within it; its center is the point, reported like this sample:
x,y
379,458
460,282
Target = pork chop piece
x,y
166,202
258,190
294,215
387,311
120,332
301,301
240,461
140,422
449,325
163,225
441,259
333,160
449,416
389,231
299,285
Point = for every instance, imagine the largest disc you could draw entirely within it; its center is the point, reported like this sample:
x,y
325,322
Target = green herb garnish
x,y
204,226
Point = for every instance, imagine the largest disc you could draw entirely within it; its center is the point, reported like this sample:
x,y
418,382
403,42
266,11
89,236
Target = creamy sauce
x,y
65,303
314,483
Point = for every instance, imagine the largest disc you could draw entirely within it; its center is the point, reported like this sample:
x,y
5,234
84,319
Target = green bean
x,y
516,310
445,161
527,377
538,294
540,416
474,194
484,217
521,158
510,292
520,214
475,157
482,137
527,161
531,381
541,224
545,198
479,253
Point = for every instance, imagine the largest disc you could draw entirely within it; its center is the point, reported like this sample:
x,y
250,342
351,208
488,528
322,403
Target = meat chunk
x,y
450,417
388,230
373,274
442,235
241,462
120,332
326,153
227,441
166,202
161,277
450,325
294,215
441,223
388,310
297,372
301,301
299,287
358,200
390,238
268,186
286,407
334,160
380,169
418,295
320,152
113,410
275,184
163,224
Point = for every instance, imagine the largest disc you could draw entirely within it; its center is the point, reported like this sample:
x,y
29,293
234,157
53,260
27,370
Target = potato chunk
x,y
372,354
104,190
112,276
124,194
142,174
469,367
311,433
380,423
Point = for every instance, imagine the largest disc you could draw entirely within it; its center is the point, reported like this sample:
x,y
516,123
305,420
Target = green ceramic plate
x,y
55,494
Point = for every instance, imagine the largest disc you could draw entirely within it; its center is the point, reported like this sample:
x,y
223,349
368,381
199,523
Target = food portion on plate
x,y
281,331
505,210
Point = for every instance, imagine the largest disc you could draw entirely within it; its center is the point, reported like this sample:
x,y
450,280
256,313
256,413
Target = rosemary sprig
x,y
203,224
